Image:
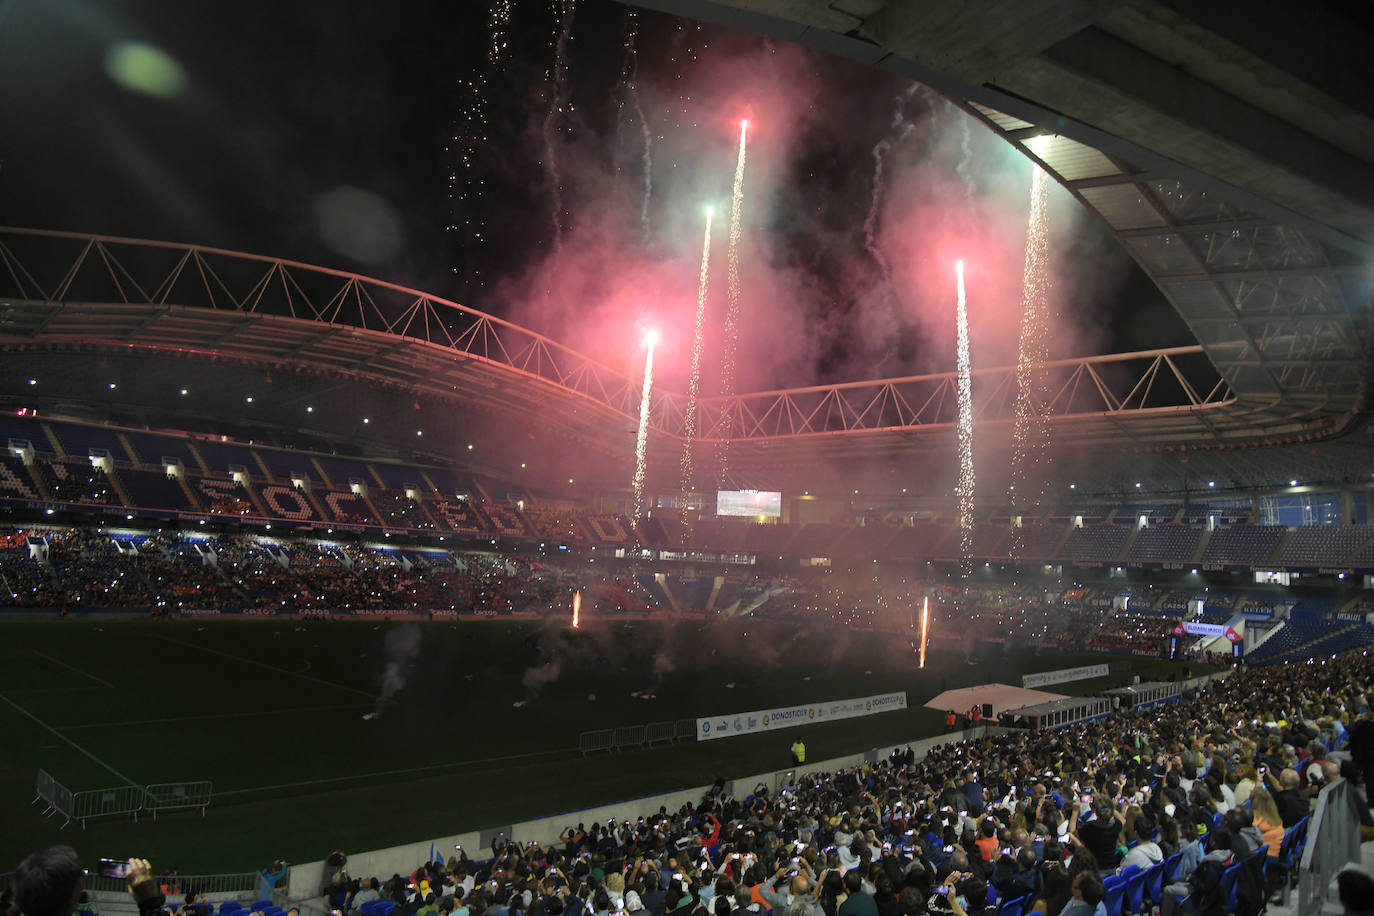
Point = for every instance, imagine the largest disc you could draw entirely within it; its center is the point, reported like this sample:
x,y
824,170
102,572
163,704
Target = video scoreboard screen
x,y
754,503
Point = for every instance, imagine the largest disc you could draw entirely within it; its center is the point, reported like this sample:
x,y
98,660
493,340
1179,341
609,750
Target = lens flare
x,y
642,439
1031,428
731,343
689,422
966,481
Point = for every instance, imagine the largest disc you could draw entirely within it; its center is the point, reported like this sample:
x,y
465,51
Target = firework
x,y
577,607
925,621
901,128
1030,430
498,24
558,100
689,423
731,343
965,486
642,439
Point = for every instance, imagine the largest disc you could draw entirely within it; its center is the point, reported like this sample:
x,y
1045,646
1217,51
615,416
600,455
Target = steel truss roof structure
x,y
1279,313
66,289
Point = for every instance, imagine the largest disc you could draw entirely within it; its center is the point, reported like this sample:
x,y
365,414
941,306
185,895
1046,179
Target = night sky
x,y
411,141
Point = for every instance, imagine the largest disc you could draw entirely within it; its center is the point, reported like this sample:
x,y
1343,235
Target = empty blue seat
x,y
1135,891
261,904
1154,884
1115,899
1015,907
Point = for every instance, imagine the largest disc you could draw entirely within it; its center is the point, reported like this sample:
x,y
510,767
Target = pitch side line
x,y
218,715
58,661
253,661
63,738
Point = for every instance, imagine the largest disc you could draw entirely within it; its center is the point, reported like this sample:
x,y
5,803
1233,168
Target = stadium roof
x,y
1243,194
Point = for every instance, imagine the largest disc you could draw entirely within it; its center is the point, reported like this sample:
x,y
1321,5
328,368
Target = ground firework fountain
x,y
642,439
727,375
965,485
689,423
1030,432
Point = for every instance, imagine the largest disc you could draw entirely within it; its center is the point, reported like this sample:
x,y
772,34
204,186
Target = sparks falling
x,y
558,102
925,622
965,486
900,129
577,607
731,342
1030,431
689,422
642,439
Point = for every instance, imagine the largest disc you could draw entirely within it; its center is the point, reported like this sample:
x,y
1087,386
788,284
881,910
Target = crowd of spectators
x,y
397,510
1045,816
170,572
79,482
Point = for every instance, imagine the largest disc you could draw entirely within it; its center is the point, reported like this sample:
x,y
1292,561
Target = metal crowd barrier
x,y
1333,841
1062,713
629,736
600,740
233,883
103,802
120,799
58,796
655,732
672,731
170,796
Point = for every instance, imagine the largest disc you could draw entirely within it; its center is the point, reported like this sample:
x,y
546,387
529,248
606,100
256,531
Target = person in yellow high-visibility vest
x,y
798,753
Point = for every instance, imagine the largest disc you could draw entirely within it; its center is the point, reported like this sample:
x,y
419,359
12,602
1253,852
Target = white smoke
x,y
401,646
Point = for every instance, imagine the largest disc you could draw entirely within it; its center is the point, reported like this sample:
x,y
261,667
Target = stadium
x,y
301,563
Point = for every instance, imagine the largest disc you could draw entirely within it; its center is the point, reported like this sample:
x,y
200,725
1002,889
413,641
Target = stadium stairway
x,y
36,477
129,449
317,504
256,500
54,441
1202,543
1126,547
192,499
715,592
1332,905
1282,546
118,486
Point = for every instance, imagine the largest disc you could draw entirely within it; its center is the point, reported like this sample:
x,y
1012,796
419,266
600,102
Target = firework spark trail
x,y
646,162
689,423
965,154
642,439
903,127
469,136
629,78
577,607
966,481
1030,430
498,26
557,102
731,342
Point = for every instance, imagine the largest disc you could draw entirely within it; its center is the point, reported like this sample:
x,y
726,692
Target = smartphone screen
x,y
114,868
